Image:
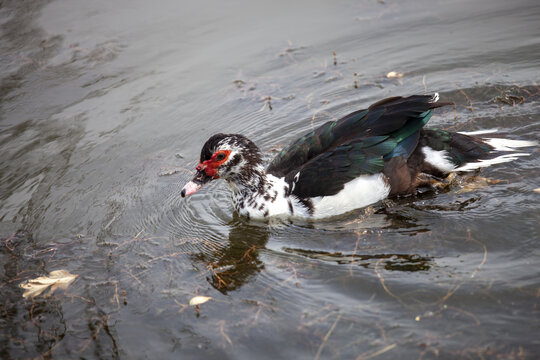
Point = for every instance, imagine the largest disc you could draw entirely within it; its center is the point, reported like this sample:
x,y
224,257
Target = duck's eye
x,y
220,157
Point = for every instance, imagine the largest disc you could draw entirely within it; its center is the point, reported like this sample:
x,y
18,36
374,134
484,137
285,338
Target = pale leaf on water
x,y
56,279
537,190
394,75
198,300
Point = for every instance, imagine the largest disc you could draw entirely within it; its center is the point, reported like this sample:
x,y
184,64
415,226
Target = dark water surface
x,y
106,104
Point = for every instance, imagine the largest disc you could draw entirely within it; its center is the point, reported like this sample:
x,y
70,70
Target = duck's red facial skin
x,y
210,166
206,172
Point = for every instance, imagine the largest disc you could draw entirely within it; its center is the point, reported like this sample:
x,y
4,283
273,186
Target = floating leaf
x,y
394,75
198,300
537,190
56,279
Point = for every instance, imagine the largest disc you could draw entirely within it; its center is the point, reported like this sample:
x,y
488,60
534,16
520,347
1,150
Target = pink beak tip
x,y
190,188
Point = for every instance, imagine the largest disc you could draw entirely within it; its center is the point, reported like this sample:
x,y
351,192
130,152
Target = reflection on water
x,y
400,262
105,106
234,265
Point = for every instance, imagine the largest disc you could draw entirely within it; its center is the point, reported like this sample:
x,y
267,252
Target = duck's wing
x,y
397,116
327,173
315,143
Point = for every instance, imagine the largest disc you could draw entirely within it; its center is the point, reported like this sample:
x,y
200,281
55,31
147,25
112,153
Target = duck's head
x,y
232,157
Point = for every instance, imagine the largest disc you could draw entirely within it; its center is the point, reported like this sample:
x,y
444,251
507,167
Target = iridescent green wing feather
x,y
359,143
327,173
314,143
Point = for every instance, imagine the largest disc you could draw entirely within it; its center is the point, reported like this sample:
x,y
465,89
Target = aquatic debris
x,y
355,80
198,300
476,183
335,58
221,324
377,353
537,190
327,336
467,184
56,279
394,75
471,187
291,49
510,99
239,83
169,172
267,102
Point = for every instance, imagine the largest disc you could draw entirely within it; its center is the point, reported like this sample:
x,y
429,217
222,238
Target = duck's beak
x,y
196,184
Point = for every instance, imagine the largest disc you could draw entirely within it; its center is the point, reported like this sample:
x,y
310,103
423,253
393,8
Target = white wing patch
x,y
438,159
357,193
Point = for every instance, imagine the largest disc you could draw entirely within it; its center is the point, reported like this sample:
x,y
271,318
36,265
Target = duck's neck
x,y
255,193
248,182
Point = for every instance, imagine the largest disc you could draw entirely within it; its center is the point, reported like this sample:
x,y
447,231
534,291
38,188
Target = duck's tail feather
x,y
503,150
500,144
447,151
488,162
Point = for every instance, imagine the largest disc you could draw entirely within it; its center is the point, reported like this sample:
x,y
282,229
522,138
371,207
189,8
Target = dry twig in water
x,y
381,279
327,336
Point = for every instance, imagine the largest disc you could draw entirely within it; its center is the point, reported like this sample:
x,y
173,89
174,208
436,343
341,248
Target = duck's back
x,y
321,162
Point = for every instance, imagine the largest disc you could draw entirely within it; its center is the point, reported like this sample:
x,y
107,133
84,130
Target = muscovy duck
x,y
346,164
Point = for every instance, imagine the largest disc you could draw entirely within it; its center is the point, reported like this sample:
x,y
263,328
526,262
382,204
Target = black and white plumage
x,y
346,164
